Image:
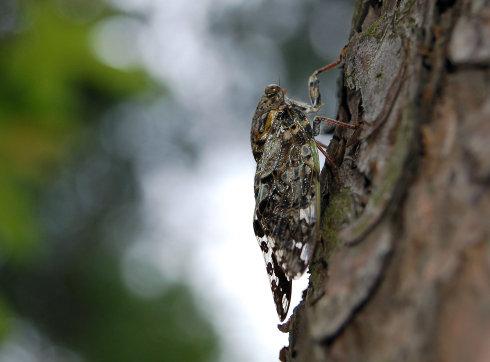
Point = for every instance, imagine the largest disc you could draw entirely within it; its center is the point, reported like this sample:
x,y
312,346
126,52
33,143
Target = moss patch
x,y
334,216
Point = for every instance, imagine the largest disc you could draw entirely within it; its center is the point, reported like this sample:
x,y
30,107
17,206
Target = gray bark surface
x,y
403,269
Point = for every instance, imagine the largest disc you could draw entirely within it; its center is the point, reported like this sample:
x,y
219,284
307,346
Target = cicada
x,y
287,185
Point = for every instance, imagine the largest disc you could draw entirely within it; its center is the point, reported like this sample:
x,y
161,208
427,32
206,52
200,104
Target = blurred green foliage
x,y
50,87
4,319
53,95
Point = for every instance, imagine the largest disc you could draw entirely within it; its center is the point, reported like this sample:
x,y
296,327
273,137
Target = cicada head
x,y
275,92
265,114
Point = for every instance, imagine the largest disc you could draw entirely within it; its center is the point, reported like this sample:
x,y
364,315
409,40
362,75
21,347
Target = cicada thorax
x,y
270,104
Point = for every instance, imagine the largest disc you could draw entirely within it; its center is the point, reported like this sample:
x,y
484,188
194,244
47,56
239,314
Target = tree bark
x,y
403,269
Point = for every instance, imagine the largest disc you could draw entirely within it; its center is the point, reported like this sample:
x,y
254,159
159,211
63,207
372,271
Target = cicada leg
x,y
331,121
323,149
314,83
318,119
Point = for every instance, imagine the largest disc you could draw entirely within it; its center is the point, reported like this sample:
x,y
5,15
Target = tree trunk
x,y
403,269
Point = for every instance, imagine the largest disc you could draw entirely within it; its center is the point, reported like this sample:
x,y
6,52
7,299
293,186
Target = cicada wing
x,y
291,214
286,204
280,284
304,212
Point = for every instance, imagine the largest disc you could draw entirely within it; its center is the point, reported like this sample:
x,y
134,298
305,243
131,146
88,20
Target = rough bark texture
x,y
403,271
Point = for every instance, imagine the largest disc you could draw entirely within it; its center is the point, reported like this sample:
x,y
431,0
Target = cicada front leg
x,y
314,82
314,87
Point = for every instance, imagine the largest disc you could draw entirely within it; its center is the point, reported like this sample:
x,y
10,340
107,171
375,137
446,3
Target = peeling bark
x,y
403,271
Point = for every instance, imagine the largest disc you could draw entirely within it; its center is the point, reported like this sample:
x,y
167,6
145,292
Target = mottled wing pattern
x,y
279,282
287,201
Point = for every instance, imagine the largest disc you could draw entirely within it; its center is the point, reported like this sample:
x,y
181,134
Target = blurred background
x,y
126,176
